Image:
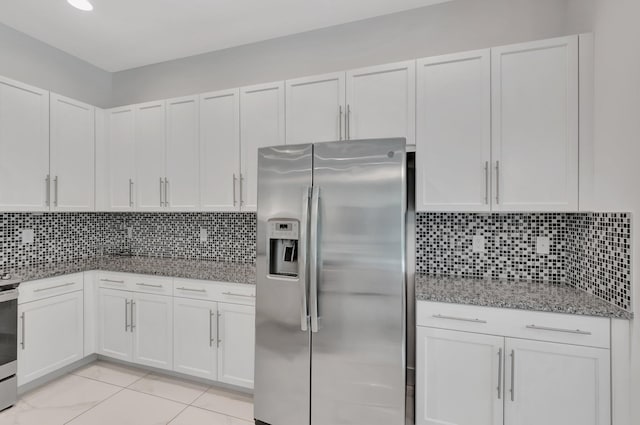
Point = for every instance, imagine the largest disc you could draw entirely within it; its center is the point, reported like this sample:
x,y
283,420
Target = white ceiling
x,y
124,34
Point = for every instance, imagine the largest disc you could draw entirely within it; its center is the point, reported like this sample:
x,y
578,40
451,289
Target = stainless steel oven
x,y
8,343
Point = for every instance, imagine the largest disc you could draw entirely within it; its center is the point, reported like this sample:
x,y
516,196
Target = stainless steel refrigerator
x,y
331,311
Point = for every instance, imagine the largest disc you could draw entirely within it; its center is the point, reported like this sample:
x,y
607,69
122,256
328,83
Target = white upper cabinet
x,y
315,109
556,384
535,126
183,148
220,151
261,124
381,102
72,155
453,147
24,147
150,182
121,158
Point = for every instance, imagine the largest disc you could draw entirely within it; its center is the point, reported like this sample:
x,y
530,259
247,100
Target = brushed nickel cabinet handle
x,y
54,287
219,315
161,192
569,331
55,191
210,328
148,285
234,189
348,129
132,325
112,281
233,294
461,319
340,121
497,182
513,375
126,315
48,189
131,193
499,374
241,194
166,192
204,291
486,182
22,316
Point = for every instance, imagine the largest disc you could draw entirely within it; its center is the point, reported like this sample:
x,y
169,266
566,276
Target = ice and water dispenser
x,y
283,236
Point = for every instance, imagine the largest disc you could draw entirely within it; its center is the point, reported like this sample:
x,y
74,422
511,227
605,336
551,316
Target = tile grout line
x,y
97,404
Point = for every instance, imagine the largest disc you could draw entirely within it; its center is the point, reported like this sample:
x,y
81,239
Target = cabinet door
x,y
459,378
72,154
24,147
535,126
556,384
315,109
114,316
381,102
50,335
150,158
195,339
220,150
152,324
183,179
262,124
121,158
236,325
453,148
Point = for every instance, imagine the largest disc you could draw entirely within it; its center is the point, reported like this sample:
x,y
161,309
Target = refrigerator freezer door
x,y
281,392
358,351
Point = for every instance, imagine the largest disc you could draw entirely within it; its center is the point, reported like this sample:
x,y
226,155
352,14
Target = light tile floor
x,y
108,394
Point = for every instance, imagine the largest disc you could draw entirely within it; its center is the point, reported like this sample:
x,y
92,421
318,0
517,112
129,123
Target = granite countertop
x,y
169,267
523,295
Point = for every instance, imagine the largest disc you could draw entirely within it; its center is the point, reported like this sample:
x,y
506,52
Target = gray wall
x,y
456,26
33,62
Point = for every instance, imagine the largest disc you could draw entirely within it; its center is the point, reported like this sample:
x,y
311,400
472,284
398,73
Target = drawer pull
x,y
462,319
204,291
149,285
112,281
569,331
54,287
238,295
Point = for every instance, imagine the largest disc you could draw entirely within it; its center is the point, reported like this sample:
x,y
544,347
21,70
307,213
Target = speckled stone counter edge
x,y
521,295
175,268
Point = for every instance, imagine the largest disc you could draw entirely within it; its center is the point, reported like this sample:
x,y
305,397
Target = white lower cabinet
x,y
152,329
195,337
237,344
113,320
136,327
474,363
556,384
50,334
459,379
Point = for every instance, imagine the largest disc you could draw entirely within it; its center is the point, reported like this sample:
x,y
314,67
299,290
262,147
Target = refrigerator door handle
x,y
313,259
304,226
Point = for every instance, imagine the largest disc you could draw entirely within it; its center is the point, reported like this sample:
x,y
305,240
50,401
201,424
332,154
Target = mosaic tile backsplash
x,y
591,251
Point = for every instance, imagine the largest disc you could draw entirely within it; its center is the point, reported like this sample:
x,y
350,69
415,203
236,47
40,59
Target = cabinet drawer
x,y
136,283
44,288
233,293
542,326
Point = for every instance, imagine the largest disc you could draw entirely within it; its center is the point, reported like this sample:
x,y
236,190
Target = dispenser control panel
x,y
283,229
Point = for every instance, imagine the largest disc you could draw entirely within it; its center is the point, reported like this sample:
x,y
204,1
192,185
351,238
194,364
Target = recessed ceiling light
x,y
81,4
